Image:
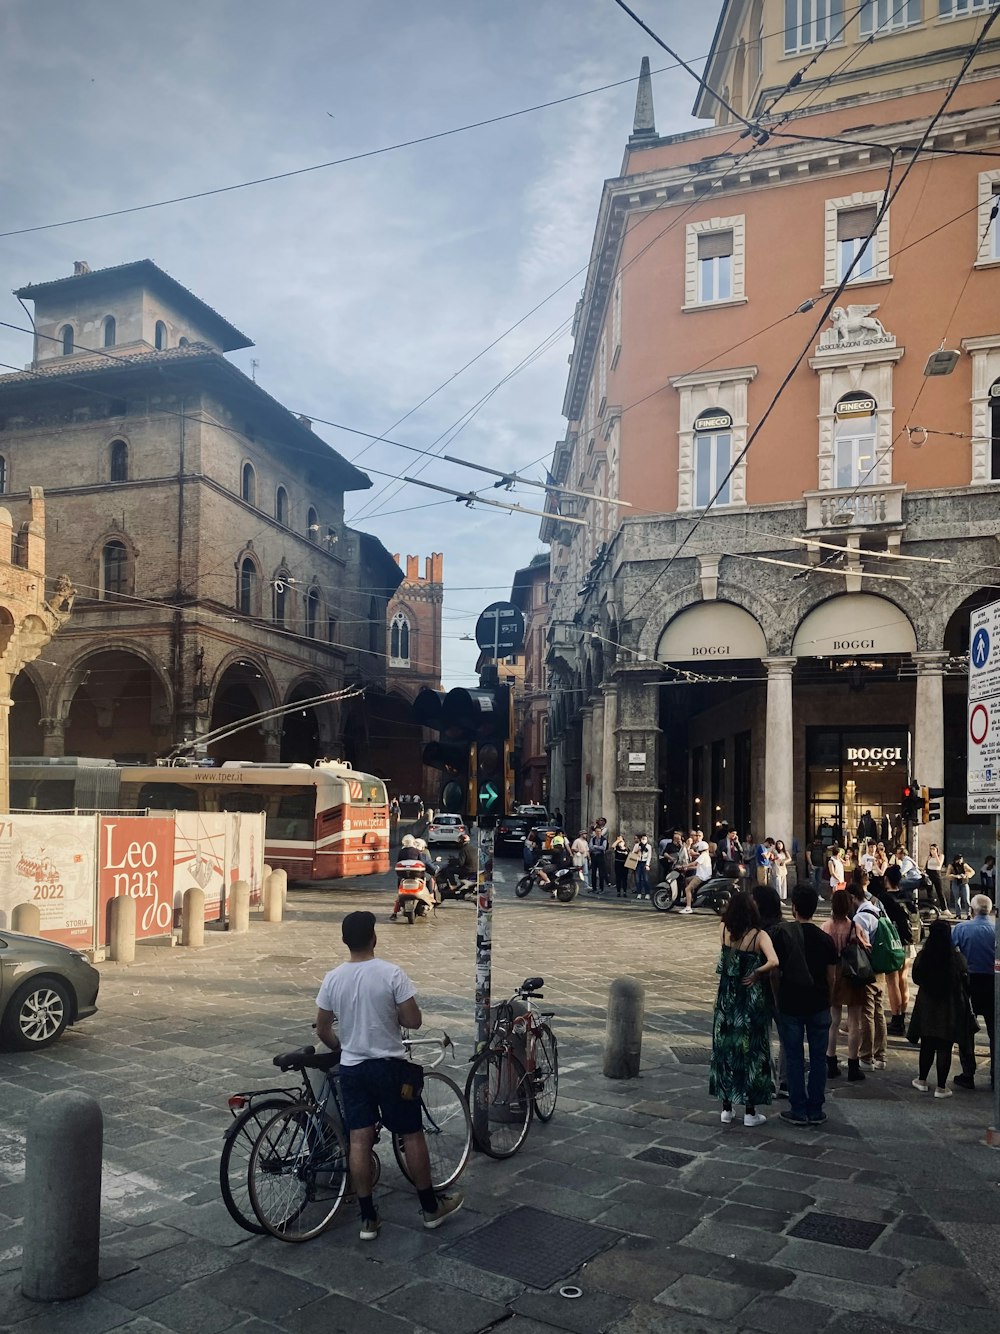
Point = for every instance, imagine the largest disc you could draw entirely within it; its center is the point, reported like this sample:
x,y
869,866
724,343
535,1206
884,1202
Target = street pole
x,y
993,1136
484,975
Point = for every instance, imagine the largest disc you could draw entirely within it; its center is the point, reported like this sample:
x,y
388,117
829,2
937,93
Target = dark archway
x,y
241,692
25,718
119,710
300,731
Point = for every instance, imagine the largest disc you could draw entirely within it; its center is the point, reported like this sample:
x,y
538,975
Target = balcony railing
x,y
867,507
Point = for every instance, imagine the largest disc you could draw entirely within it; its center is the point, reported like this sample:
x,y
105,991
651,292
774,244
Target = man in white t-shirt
x,y
702,872
370,1000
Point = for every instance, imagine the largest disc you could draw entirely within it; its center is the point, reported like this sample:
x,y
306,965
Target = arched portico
x,y
114,704
241,692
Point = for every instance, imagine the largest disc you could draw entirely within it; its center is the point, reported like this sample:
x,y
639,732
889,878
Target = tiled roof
x,y
57,367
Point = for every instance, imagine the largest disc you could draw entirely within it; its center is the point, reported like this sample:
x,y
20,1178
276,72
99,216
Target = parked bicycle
x,y
284,1161
515,1075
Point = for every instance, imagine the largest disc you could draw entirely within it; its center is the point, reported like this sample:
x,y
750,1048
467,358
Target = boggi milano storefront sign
x,y
851,771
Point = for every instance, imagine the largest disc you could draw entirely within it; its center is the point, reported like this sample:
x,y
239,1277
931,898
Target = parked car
x,y
43,987
511,832
537,814
444,830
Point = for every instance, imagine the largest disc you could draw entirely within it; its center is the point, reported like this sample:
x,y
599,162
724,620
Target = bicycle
x,y
304,1137
521,1076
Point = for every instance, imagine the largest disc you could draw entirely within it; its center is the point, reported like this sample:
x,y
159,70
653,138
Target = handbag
x,y
631,861
855,963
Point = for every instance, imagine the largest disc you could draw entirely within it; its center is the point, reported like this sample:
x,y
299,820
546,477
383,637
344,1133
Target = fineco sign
x,y
713,421
856,407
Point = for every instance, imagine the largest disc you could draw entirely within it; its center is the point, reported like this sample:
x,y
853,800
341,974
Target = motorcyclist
x,y
415,850
468,862
701,872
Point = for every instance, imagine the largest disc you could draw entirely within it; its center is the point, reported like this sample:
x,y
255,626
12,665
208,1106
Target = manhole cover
x,y
532,1246
837,1231
693,1055
665,1157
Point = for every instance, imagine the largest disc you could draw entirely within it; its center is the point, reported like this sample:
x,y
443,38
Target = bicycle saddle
x,y
532,983
306,1058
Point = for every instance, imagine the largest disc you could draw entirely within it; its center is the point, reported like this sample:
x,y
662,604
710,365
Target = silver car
x,y
43,987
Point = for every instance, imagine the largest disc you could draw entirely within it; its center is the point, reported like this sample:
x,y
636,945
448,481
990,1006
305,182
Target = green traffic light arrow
x,y
489,795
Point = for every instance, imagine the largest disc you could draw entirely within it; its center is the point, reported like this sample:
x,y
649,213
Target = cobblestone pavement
x,y
888,1218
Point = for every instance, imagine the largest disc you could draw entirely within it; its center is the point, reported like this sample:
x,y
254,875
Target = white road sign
x,y
983,771
984,652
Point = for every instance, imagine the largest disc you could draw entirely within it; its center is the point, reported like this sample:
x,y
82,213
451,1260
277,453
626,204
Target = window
x,y
854,441
848,224
66,334
714,262
279,599
312,524
616,322
399,641
957,9
810,23
994,461
182,342
246,595
855,228
281,506
118,461
248,484
160,335
331,629
987,231
110,330
312,612
713,456
882,16
115,569
3,476
756,30
602,376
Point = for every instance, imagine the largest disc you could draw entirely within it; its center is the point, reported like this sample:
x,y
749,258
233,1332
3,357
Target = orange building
x,y
763,619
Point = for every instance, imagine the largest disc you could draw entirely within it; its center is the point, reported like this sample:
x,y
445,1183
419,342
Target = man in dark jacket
x,y
808,959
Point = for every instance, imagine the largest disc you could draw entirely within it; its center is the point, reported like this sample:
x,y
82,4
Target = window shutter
x,y
855,223
713,245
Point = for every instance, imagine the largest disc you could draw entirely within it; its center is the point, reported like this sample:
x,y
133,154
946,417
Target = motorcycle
x,y
714,893
411,887
563,884
450,882
916,894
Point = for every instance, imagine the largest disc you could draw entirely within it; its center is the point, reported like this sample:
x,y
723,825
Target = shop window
x,y
66,334
399,641
851,232
879,17
995,432
855,436
714,261
246,593
160,335
713,456
118,461
810,23
312,524
281,506
114,573
248,484
312,612
110,331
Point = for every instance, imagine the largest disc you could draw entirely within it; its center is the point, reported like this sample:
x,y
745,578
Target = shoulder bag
x,y
855,962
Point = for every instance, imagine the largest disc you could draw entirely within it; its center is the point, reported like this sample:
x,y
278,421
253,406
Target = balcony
x,y
868,507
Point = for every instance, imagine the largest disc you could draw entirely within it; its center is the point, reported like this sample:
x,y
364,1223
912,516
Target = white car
x,y
538,814
444,829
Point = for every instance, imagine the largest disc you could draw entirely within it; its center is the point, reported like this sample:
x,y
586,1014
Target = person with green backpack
x,y
868,914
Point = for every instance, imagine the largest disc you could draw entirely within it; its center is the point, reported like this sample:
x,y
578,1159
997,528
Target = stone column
x,y
586,767
557,776
637,786
597,759
5,703
609,757
927,767
272,741
54,738
778,764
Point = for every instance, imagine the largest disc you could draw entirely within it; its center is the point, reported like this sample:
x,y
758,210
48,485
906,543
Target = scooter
x,y
714,893
417,900
450,882
563,884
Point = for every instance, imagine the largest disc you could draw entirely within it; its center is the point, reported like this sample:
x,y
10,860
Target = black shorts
x,y
385,1089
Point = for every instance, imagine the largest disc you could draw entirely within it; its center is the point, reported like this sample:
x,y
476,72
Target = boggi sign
x,y
883,754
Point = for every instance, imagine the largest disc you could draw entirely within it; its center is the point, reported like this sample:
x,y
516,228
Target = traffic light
x,y
454,753
930,800
483,716
910,804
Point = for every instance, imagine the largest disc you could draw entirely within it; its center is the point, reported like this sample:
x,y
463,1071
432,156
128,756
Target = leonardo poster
x,y
48,860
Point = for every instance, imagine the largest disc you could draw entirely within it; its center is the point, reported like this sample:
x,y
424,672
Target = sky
x,y
366,286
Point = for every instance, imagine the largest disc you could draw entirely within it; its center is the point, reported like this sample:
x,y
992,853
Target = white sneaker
x,y
921,1085
756,1119
726,1117
684,911
942,1093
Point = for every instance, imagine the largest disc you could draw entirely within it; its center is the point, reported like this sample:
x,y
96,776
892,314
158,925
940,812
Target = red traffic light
x,y
907,792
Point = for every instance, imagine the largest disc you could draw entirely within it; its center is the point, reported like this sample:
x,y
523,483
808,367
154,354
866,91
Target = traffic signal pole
x,y
484,974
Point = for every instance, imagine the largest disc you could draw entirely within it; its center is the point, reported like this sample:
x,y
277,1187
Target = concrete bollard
x,y
239,907
62,1204
282,877
623,1036
121,935
193,918
265,872
26,919
273,905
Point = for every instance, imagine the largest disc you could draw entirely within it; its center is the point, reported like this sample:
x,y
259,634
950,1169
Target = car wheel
x,y
37,1014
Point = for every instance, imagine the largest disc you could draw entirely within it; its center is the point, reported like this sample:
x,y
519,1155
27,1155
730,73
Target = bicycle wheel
x,y
546,1076
298,1173
447,1129
241,1135
506,1104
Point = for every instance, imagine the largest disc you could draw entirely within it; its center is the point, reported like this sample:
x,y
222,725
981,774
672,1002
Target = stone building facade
x,y
203,526
774,634
529,592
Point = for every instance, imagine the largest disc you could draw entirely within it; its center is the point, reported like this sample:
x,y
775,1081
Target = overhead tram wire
x,y
889,194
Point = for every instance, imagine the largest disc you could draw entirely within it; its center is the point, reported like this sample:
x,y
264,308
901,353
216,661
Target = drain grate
x,y
665,1157
532,1246
854,1233
693,1055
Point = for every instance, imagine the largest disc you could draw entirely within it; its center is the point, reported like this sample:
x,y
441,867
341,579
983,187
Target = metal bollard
x,y
623,1036
121,935
27,919
283,880
193,918
239,907
273,906
62,1206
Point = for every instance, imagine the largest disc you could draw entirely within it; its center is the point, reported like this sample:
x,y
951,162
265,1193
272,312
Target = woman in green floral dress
x,y
741,1037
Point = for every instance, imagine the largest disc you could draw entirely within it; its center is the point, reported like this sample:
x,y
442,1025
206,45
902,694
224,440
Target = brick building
x,y
203,526
529,592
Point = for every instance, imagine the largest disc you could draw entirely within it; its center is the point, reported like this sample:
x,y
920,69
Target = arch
x,y
306,734
312,612
248,483
242,690
182,342
711,630
3,475
68,340
26,716
281,506
247,585
312,524
110,330
117,704
118,461
399,640
160,336
116,569
851,623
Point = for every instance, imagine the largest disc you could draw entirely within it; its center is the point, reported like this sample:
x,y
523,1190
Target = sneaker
x,y
921,1085
393,916
370,1228
793,1118
754,1119
879,1064
942,1093
726,1117
684,911
964,1082
447,1205
816,1120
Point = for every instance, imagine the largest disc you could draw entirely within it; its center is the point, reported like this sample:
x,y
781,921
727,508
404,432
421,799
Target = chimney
x,y
80,266
413,569
306,422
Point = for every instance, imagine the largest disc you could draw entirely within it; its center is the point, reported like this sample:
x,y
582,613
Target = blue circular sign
x,y
980,651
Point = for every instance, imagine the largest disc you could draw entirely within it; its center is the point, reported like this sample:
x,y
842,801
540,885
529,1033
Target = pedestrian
x,y
942,1015
580,851
370,1000
933,868
598,852
558,817
880,862
620,851
841,929
701,872
429,814
975,940
988,876
815,863
874,1041
762,860
531,850
643,854
959,874
808,961
740,1070
836,873
897,989
769,907
779,869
